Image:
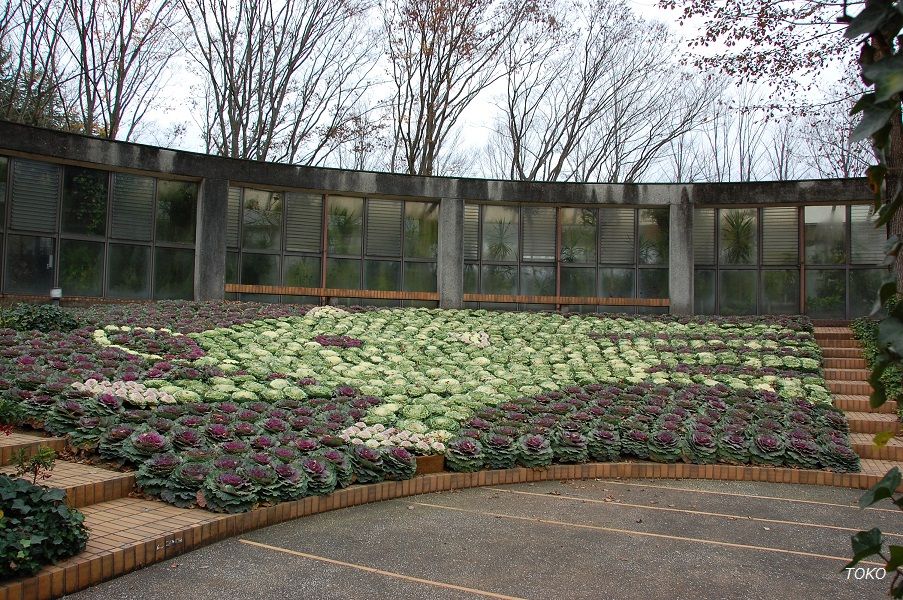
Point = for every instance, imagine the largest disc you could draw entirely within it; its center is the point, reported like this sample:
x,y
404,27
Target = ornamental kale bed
x,y
279,402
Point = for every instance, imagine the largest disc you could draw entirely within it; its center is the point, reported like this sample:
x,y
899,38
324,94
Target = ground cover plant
x,y
278,402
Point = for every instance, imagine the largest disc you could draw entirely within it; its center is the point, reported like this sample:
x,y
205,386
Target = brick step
x,y
85,484
879,467
863,422
839,343
833,333
853,403
845,363
12,444
847,374
841,352
865,447
855,388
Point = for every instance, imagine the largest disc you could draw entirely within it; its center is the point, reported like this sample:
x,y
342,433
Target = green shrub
x,y
37,528
37,317
866,331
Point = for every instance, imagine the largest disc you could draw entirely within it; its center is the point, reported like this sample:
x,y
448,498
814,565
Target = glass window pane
x,y
864,284
781,292
539,233
176,211
81,268
653,283
4,178
384,227
419,277
577,281
654,236
233,218
780,235
616,235
617,283
343,274
471,278
867,241
383,275
262,220
302,271
174,274
704,237
537,281
825,238
303,222
259,269
29,265
737,292
84,201
128,275
471,231
578,235
737,237
825,292
133,207
499,279
704,289
231,267
35,192
500,233
344,227
421,229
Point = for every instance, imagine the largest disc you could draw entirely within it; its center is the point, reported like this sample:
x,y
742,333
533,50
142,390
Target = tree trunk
x,y
894,159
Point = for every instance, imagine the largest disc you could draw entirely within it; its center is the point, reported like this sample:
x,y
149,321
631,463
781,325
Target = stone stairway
x,y
846,374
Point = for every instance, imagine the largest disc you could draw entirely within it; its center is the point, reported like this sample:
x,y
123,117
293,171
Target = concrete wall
x,y
216,174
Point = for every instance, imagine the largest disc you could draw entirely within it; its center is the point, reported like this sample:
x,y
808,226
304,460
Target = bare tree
x,y
584,105
32,67
121,50
283,78
442,54
783,149
734,143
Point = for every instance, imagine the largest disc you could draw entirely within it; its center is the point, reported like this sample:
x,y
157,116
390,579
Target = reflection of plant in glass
x,y
498,235
344,230
780,291
303,273
421,232
128,270
176,211
500,280
85,202
539,281
262,219
80,267
826,293
738,235
654,236
578,239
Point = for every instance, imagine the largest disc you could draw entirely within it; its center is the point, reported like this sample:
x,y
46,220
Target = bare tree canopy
x,y
282,79
584,105
442,54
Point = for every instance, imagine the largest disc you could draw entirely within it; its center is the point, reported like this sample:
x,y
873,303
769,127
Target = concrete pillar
x,y
210,241
450,268
680,271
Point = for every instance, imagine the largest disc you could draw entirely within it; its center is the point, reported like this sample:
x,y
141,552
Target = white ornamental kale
x,y
131,392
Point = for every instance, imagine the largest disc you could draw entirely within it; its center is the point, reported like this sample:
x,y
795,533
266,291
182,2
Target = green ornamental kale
x,y
368,464
767,448
700,448
229,492
464,454
534,451
398,463
733,448
604,444
153,474
569,447
321,476
665,446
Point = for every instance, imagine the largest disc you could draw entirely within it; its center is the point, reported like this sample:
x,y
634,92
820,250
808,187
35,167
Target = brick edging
x,y
56,581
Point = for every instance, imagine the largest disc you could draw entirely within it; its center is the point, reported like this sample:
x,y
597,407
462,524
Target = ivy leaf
x,y
887,74
865,544
881,490
896,558
874,118
890,335
867,21
881,439
865,101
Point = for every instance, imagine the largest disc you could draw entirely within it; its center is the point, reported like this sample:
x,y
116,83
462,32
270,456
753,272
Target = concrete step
x,y
839,343
863,422
845,363
841,352
853,403
847,374
10,445
86,484
865,447
855,388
